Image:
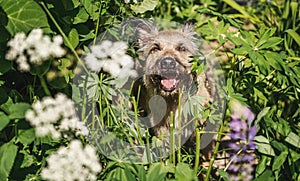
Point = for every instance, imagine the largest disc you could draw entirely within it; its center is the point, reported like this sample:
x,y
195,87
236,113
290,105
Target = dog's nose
x,y
168,63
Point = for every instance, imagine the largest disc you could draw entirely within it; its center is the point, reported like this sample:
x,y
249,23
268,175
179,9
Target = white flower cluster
x,y
128,1
73,163
55,116
111,57
34,49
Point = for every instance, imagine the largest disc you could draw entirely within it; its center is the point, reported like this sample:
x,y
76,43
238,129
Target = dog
x,y
168,80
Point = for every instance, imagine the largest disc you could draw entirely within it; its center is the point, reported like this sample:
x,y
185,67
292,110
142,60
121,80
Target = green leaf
x,y
65,63
223,174
26,136
4,120
261,114
146,5
265,176
237,7
271,42
279,160
18,110
28,159
295,155
184,172
73,38
156,173
262,165
107,138
81,17
260,61
232,94
8,152
263,145
92,86
141,172
293,139
129,175
58,83
294,35
241,51
274,59
90,8
24,15
236,40
279,146
250,39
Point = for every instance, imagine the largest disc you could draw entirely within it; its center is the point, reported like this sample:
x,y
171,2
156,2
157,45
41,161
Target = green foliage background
x,y
262,69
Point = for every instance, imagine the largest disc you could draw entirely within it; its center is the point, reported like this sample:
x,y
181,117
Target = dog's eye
x,y
155,48
181,48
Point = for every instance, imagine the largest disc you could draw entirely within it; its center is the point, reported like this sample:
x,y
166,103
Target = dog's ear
x,y
189,28
143,29
146,30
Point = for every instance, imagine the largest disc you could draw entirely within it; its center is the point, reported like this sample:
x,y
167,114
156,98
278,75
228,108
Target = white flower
x,y
34,49
72,163
111,57
128,1
54,116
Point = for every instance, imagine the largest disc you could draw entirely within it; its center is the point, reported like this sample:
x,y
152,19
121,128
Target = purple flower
x,y
248,115
242,135
233,168
237,125
234,146
252,133
251,145
248,158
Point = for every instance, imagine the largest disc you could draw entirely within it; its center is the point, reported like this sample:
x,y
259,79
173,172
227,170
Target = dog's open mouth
x,y
168,84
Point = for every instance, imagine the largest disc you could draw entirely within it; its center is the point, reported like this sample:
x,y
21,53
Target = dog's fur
x,y
167,74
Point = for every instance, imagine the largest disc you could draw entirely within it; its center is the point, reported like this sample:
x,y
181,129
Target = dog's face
x,y
167,58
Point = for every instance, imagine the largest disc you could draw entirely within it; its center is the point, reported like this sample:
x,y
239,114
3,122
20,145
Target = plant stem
x,y
84,101
135,107
197,157
44,85
97,24
172,140
148,146
169,8
179,129
215,151
66,39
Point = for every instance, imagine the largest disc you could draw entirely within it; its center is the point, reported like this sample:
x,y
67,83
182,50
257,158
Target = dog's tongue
x,y
168,83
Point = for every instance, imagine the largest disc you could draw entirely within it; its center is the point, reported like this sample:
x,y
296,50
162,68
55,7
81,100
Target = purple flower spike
x,y
235,135
252,133
242,135
233,168
248,158
249,115
237,125
234,146
251,145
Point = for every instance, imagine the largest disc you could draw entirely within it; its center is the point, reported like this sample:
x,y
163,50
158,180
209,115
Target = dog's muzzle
x,y
168,74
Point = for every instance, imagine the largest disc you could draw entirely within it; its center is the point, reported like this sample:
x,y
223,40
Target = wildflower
x,y
242,145
128,1
55,116
33,49
72,163
111,57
